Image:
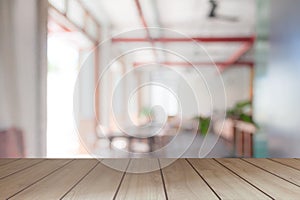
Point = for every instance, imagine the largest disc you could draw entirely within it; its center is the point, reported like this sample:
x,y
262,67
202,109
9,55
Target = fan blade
x,y
214,6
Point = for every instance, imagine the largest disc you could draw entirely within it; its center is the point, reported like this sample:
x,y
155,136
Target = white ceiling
x,y
188,17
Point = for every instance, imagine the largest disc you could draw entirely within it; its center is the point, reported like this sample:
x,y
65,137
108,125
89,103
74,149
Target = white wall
x,y
236,84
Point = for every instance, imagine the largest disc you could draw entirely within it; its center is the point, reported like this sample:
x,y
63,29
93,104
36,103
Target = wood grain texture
x,y
144,185
25,178
278,169
270,184
226,184
101,183
18,165
293,163
4,161
57,184
182,182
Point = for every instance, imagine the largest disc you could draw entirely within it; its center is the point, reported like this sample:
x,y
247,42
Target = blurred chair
x,y
11,143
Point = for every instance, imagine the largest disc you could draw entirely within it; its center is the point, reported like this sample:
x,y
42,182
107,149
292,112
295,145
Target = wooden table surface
x,y
184,179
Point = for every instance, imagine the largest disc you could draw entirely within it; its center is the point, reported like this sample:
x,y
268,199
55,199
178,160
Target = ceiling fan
x,y
214,15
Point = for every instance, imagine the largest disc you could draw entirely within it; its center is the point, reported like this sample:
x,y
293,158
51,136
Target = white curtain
x,y
23,71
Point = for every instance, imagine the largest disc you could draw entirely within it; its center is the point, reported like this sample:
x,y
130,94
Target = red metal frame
x,y
71,26
193,39
232,60
196,64
60,25
149,39
238,54
145,25
63,19
247,45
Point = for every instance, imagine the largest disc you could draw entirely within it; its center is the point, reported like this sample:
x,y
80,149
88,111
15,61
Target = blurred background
x,y
75,74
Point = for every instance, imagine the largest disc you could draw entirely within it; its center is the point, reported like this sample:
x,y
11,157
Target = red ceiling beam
x,y
194,39
145,25
196,64
143,21
57,25
237,55
61,18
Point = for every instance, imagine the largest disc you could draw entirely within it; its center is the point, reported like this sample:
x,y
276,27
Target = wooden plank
x,y
16,166
183,182
293,163
270,184
278,169
83,179
143,165
226,184
142,186
57,184
19,181
101,183
4,161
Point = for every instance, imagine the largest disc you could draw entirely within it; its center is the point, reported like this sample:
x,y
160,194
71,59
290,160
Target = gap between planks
x,y
17,166
16,183
272,185
203,179
277,172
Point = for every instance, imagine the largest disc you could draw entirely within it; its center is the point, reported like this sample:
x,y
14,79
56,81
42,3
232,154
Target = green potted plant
x,y
204,123
242,111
